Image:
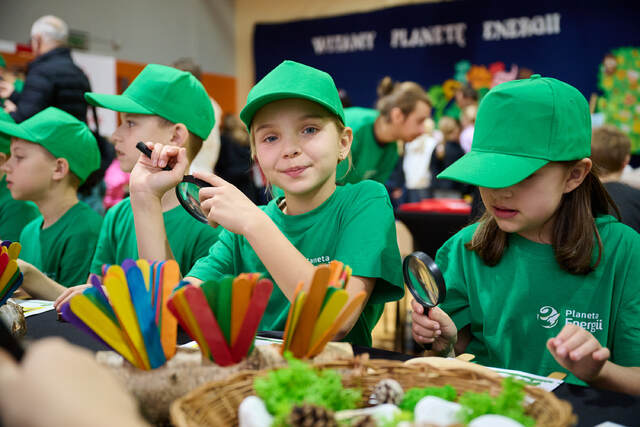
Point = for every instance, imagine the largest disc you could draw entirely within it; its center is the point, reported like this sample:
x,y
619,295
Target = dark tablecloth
x,y
591,405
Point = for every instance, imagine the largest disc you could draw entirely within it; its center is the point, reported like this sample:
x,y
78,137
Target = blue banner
x,y
484,41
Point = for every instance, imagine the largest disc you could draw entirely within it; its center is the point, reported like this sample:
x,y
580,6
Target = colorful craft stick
x,y
222,305
310,311
187,316
102,325
170,272
257,306
68,315
120,299
11,287
329,313
146,320
143,265
346,313
209,328
297,309
14,250
242,289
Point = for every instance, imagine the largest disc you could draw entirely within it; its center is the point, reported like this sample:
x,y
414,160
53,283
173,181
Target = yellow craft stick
x,y
143,265
14,250
242,289
309,315
347,312
8,273
169,326
329,313
287,325
4,250
104,327
297,309
180,302
120,299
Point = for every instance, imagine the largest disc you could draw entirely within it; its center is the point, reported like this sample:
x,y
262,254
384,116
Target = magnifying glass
x,y
424,280
187,190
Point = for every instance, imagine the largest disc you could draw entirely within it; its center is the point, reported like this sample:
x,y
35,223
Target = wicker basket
x,y
216,403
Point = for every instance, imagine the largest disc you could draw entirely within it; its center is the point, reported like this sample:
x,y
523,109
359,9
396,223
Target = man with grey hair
x,y
52,77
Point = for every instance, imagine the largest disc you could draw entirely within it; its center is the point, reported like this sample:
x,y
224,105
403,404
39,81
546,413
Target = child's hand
x,y
224,204
578,351
67,295
437,328
148,177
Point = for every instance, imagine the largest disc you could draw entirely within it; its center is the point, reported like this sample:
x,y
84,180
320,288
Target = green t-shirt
x,y
370,159
63,250
189,238
14,214
514,307
355,225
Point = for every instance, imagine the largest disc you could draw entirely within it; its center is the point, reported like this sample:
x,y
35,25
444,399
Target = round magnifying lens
x,y
424,280
187,191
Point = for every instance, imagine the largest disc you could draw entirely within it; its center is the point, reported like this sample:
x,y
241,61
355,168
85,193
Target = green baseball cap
x,y
167,92
521,126
62,135
5,140
288,80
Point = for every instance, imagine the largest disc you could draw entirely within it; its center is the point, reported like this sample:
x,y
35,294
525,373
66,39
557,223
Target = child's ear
x,y
396,115
61,169
179,135
346,138
577,174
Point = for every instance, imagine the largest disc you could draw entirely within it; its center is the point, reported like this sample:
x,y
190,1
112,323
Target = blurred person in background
x,y
207,157
445,154
417,157
611,151
52,79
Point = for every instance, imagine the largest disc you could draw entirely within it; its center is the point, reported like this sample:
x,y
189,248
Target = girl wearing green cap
x,y
546,280
401,110
296,123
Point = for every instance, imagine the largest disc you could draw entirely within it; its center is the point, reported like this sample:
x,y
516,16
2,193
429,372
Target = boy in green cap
x,y
52,153
14,214
166,105
298,136
546,280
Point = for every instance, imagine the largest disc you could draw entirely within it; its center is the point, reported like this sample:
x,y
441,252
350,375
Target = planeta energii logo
x,y
548,316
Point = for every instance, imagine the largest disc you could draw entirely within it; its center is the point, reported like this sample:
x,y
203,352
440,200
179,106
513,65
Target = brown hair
x,y
189,65
193,143
402,95
449,127
610,148
233,127
573,231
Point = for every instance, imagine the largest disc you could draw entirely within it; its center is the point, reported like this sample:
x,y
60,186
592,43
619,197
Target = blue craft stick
x,y
145,314
157,288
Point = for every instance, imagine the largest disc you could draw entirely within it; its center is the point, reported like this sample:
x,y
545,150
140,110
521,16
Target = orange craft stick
x,y
310,311
336,268
340,320
242,289
169,327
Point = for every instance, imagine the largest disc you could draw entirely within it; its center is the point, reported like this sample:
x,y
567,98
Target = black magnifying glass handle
x,y
147,152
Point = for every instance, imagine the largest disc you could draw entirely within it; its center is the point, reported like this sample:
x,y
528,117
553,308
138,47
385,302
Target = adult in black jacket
x,y
52,77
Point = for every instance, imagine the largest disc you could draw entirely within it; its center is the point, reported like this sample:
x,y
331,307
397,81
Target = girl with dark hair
x,y
546,267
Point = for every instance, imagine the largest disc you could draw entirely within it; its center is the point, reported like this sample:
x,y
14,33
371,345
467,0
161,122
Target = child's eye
x,y
310,130
130,123
18,157
270,138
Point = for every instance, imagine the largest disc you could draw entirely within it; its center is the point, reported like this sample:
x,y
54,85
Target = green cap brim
x,y
492,170
120,103
247,113
15,130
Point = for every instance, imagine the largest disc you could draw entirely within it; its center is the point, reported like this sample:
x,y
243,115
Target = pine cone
x,y
366,421
387,391
307,415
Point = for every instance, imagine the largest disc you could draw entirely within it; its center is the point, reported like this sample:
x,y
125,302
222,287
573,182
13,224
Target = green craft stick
x,y
222,306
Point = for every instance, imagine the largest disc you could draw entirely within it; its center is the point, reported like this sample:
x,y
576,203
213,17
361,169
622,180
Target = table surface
x,y
592,406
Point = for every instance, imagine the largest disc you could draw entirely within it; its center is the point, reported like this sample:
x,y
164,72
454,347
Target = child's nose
x,y
291,148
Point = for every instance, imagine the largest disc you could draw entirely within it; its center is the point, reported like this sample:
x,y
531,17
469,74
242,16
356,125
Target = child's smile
x,y
298,146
